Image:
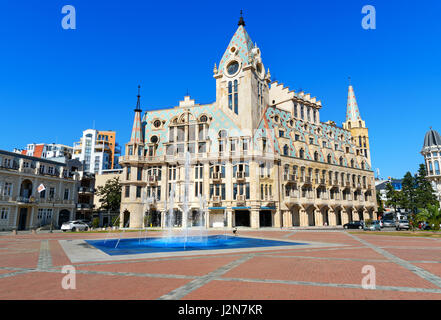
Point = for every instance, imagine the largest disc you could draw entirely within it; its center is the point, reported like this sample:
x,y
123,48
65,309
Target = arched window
x,y
316,156
302,112
341,161
302,154
236,99
352,163
285,150
230,95
329,158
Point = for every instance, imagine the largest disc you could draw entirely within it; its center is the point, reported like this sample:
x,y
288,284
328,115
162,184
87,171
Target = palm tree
x,y
431,215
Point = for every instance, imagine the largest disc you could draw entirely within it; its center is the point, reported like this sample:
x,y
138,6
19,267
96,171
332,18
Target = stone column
x,y
355,216
366,214
332,218
303,217
277,215
255,222
318,217
229,217
344,217
287,218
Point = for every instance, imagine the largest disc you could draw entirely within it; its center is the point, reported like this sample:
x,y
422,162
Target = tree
x,y
424,193
409,193
394,197
431,214
110,195
380,205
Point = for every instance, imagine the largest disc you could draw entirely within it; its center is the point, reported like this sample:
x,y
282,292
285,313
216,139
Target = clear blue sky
x,y
55,83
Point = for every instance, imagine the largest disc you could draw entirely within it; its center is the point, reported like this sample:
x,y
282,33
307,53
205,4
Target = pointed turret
x,y
357,126
352,112
137,136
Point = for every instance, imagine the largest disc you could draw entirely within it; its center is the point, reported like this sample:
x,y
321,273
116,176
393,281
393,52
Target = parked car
x,y
73,226
89,223
374,226
402,224
388,223
354,225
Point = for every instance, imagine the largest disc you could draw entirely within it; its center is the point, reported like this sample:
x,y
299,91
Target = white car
x,y
74,226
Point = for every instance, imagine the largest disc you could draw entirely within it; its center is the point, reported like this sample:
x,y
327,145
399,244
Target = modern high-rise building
x,y
97,150
259,155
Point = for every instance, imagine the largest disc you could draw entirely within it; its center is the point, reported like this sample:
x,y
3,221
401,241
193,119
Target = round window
x,y
157,123
154,139
204,118
232,67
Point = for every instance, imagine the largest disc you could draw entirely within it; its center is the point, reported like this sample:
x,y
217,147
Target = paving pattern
x,y
405,268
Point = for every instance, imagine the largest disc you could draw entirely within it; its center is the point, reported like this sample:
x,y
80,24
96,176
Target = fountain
x,y
186,238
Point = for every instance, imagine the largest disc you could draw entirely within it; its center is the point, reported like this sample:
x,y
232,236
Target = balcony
x,y
5,198
306,180
14,167
335,183
84,206
240,175
240,199
216,176
28,170
152,179
216,199
86,190
292,197
22,199
290,178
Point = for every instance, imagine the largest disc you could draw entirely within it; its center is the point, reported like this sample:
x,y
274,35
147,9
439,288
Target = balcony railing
x,y
86,190
216,176
240,198
289,177
240,175
216,199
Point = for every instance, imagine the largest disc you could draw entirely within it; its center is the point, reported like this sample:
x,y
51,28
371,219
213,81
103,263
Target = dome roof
x,y
432,138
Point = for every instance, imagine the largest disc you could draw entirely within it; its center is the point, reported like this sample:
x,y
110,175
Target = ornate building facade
x,y
431,152
259,155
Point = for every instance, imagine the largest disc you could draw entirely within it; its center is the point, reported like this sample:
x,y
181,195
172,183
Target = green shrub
x,y
96,222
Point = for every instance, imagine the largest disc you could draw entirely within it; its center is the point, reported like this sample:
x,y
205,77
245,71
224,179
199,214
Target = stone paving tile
x,y
43,285
19,260
235,290
326,271
415,254
333,237
356,253
434,268
59,257
193,267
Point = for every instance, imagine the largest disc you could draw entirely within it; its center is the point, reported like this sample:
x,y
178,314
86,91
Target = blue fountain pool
x,y
152,245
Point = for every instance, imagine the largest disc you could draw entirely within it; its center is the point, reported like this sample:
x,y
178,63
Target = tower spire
x,y
352,112
241,20
137,136
138,103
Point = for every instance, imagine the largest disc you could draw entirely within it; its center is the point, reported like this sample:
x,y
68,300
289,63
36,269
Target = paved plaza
x,y
329,267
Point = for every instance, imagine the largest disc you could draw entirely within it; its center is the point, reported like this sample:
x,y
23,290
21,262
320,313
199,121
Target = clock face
x,y
232,68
